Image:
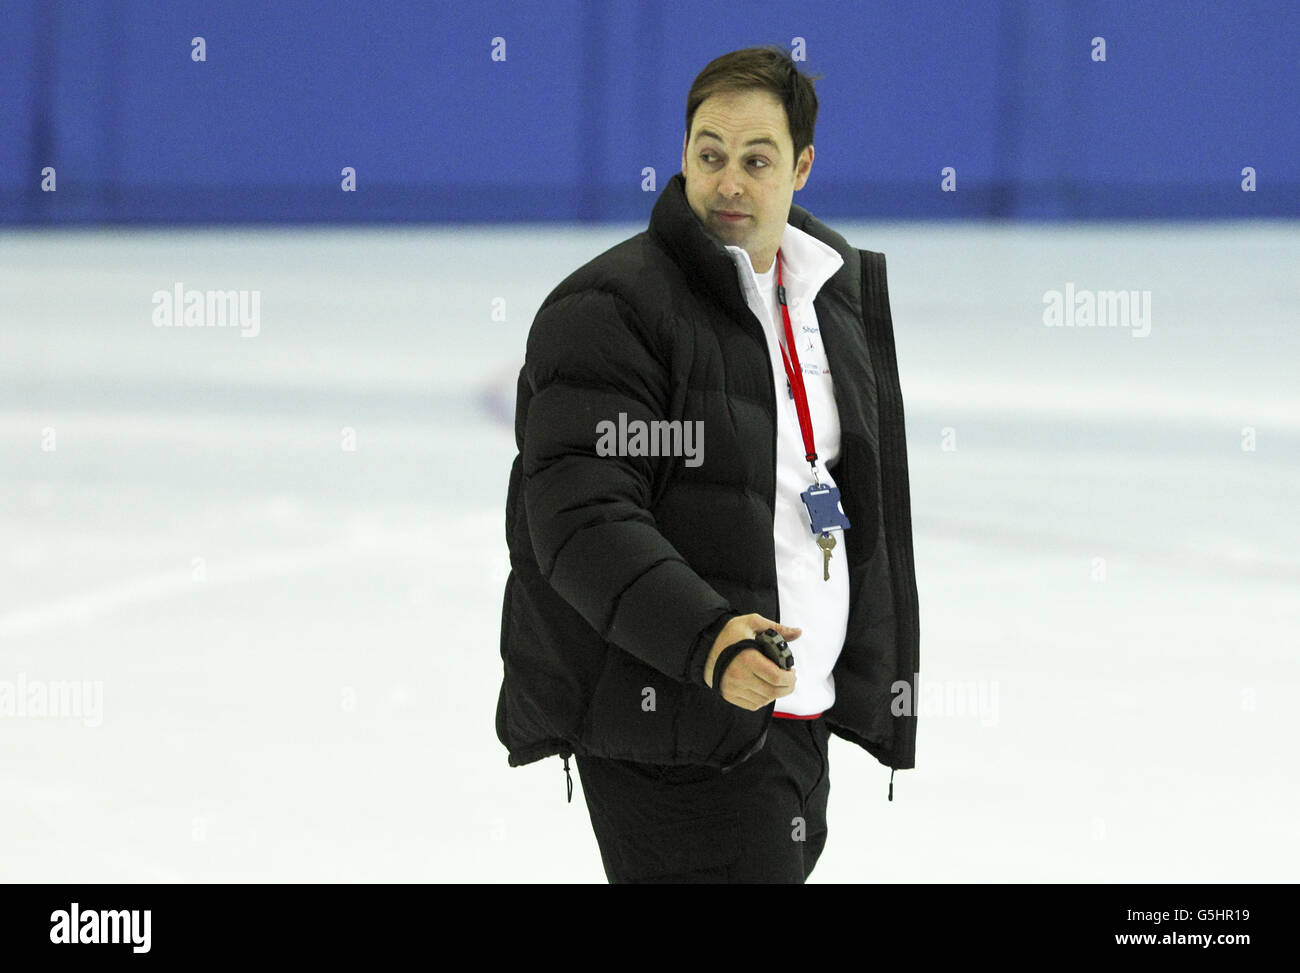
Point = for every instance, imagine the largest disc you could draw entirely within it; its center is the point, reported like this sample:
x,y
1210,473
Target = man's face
x,y
739,158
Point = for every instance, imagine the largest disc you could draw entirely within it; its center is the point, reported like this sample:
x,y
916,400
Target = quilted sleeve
x,y
588,359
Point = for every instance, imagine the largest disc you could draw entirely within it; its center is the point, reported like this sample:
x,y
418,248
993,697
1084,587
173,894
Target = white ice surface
x,y
1145,724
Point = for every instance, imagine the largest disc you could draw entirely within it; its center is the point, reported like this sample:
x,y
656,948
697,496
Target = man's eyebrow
x,y
705,133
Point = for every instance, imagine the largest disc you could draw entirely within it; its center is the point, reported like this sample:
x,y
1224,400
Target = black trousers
x,y
762,821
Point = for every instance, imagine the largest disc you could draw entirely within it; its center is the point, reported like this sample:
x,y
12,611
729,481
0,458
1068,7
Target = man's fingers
x,y
753,702
774,681
767,670
744,697
743,693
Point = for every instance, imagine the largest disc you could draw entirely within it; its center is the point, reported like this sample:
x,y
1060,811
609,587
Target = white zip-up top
x,y
807,601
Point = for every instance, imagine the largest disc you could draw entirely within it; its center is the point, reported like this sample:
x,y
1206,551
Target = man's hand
x,y
752,680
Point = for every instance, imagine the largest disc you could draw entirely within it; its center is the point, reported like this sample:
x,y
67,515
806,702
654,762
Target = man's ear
x,y
684,139
805,169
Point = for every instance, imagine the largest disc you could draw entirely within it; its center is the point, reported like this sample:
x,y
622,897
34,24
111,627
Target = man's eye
x,y
706,155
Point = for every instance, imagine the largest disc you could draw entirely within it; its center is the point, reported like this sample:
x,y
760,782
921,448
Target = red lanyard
x,y
795,375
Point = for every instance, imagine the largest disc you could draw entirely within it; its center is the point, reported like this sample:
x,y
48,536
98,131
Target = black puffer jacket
x,y
625,568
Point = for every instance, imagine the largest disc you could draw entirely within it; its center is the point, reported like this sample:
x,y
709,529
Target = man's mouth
x,y
731,217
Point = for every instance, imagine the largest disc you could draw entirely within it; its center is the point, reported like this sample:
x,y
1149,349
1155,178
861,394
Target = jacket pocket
x,y
633,711
714,732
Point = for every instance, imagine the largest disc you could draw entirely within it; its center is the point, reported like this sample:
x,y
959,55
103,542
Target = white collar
x,y
806,263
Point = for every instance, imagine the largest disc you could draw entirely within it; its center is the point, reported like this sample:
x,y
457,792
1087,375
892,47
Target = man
x,y
635,573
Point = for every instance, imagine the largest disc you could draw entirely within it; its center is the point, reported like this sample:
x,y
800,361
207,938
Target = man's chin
x,y
728,239
731,231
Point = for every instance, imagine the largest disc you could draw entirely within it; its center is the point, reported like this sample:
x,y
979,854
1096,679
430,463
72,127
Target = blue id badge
x,y
824,512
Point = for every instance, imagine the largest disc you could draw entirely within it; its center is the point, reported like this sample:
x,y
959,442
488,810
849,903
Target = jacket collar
x,y
806,264
811,256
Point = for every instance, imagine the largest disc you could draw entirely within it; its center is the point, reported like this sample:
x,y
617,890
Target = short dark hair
x,y
768,68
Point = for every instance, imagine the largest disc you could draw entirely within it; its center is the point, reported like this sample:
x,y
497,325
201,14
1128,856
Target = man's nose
x,y
731,181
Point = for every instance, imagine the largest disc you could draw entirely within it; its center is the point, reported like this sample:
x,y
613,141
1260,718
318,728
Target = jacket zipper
x,y
894,492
